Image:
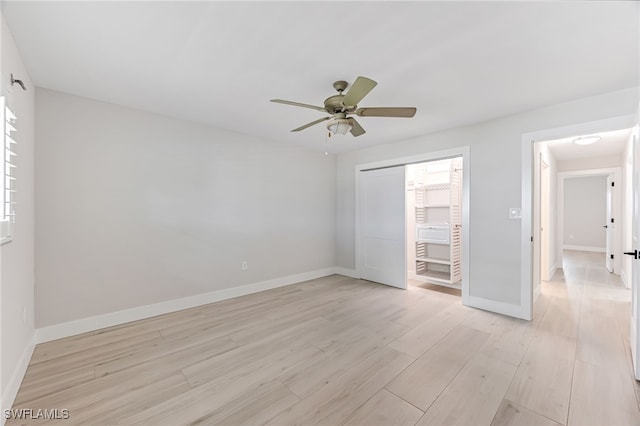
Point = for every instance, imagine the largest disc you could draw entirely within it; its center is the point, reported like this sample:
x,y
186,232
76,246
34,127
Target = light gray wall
x,y
589,163
585,211
17,257
136,208
495,171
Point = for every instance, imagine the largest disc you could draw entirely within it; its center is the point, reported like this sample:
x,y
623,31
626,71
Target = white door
x,y
635,265
382,226
609,227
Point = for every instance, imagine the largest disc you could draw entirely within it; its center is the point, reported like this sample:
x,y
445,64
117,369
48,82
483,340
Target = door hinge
x,y
531,239
611,255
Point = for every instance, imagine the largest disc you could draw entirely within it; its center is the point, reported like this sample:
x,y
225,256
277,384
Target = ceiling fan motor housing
x,y
333,104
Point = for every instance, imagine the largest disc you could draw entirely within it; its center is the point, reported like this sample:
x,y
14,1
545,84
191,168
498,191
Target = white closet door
x,y
382,226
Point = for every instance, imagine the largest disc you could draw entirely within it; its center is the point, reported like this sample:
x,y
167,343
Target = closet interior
x,y
434,222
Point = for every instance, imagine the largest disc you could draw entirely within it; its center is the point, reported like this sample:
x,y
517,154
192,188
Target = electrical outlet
x,y
515,213
245,265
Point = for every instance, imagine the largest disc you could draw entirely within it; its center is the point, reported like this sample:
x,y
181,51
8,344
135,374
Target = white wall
x,y
589,163
17,257
136,209
585,212
495,169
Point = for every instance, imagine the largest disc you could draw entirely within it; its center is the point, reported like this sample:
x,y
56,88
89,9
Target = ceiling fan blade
x,y
357,129
313,123
281,101
386,112
360,88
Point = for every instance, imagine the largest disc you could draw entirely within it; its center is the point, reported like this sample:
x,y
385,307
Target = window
x,y
7,169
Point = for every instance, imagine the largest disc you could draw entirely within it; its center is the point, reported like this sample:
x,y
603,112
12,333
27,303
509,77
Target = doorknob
x,y
632,253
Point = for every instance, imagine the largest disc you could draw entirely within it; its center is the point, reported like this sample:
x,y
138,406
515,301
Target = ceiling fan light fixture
x,y
586,140
339,126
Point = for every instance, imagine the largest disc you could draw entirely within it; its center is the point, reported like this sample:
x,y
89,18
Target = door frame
x,y
463,152
544,205
616,174
526,228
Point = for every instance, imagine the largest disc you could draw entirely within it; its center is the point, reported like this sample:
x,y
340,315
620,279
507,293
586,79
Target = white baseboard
x,y
585,248
508,309
9,394
536,292
347,272
552,270
84,325
625,280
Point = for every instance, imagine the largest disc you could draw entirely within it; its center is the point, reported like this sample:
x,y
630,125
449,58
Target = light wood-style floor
x,y
337,351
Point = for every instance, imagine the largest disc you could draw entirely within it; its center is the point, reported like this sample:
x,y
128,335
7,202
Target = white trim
x,y
584,248
536,292
552,270
625,280
463,151
9,394
71,328
347,272
526,231
495,306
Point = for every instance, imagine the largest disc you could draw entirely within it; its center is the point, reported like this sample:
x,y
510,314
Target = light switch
x,y
515,213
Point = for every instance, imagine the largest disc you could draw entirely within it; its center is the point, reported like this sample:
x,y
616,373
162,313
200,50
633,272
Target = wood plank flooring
x,y
339,351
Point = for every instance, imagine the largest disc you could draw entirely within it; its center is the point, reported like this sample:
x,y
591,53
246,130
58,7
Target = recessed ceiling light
x,y
586,140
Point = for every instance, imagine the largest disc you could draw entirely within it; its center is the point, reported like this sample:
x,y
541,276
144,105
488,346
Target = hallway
x,y
578,365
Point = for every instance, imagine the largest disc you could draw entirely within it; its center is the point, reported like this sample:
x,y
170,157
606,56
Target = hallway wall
x,y
585,213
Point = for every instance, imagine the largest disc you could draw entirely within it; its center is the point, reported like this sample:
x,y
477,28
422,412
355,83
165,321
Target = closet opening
x,y
412,222
434,224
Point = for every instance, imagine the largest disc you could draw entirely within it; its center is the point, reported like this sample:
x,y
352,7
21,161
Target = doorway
x,y
376,221
628,221
578,199
529,246
434,223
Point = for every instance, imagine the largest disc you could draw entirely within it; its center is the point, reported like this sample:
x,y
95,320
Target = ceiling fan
x,y
340,106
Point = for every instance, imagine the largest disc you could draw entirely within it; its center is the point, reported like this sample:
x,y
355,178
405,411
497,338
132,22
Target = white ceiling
x,y
611,144
220,62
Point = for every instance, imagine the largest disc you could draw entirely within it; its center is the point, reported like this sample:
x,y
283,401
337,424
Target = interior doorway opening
x,y
434,205
381,220
581,201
